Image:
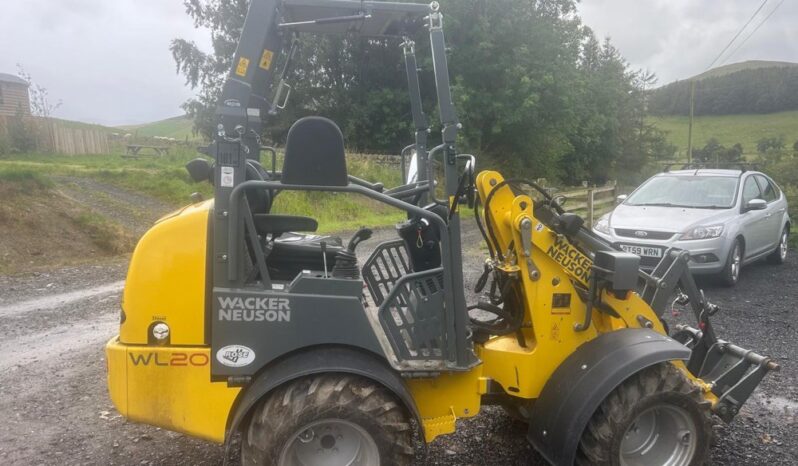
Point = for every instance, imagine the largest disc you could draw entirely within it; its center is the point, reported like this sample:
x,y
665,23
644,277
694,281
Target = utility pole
x,y
690,127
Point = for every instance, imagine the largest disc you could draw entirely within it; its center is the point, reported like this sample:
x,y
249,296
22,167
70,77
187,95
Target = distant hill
x,y
741,88
742,66
180,127
82,125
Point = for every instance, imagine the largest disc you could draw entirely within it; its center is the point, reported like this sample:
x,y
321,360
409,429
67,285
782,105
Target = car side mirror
x,y
620,198
756,204
199,169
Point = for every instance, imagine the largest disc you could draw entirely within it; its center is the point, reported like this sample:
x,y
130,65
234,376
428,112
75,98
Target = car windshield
x,y
695,192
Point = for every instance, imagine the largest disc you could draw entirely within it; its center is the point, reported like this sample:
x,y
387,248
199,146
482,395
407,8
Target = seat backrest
x,y
314,154
260,201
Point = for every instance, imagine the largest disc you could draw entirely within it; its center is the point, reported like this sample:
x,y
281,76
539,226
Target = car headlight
x,y
703,232
603,224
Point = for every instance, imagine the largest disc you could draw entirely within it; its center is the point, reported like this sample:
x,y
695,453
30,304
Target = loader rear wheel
x,y
329,419
655,418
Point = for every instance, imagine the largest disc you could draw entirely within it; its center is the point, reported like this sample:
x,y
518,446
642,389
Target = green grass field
x,y
166,179
730,129
179,128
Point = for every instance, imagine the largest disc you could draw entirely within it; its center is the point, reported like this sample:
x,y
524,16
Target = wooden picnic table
x,y
133,150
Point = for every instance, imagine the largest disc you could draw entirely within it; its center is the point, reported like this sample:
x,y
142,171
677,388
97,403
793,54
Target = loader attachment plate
x,y
732,372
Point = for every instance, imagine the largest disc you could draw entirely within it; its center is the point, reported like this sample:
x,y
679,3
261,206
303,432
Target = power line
x,y
752,32
738,34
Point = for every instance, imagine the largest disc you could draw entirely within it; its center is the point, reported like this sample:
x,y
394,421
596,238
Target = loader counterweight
x,y
169,388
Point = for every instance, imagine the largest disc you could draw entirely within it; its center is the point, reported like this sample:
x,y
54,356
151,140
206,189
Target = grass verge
x,y
23,179
41,229
165,178
105,234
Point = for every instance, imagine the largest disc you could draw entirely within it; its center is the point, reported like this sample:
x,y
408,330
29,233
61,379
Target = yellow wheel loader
x,y
236,320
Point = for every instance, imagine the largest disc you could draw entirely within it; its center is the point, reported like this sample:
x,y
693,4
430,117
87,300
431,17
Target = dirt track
x,y
55,407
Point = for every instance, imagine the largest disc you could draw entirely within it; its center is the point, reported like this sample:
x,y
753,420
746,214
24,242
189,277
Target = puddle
x,y
61,299
777,404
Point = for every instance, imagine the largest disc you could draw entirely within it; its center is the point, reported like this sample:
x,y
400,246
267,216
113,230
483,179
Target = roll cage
x,y
250,97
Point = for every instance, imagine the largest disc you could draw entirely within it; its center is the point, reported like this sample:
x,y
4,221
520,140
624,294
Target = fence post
x,y
590,192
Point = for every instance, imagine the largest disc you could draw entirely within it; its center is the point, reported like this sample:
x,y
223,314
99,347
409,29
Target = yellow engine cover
x,y
166,279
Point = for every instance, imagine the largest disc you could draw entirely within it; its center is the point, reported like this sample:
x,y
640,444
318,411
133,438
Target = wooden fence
x,y
592,202
72,141
54,136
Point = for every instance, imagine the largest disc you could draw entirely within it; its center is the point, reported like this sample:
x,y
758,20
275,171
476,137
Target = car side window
x,y
750,190
769,192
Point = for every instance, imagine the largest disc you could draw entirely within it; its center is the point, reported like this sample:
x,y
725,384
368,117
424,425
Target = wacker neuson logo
x,y
237,309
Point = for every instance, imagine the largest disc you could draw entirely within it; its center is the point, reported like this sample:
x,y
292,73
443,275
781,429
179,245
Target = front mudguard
x,y
583,381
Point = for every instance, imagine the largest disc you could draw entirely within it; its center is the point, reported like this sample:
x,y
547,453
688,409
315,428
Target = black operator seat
x,y
314,156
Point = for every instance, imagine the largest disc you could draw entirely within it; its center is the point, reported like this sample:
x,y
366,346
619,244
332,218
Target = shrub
x,y
22,133
23,179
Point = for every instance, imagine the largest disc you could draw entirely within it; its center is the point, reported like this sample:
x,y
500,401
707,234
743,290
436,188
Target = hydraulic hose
x,y
510,317
512,182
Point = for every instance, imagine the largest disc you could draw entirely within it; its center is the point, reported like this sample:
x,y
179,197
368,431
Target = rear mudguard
x,y
583,381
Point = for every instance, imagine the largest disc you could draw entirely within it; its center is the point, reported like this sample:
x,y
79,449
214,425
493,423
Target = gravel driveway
x,y
56,410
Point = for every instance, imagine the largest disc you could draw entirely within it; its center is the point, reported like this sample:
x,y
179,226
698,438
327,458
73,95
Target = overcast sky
x,y
108,60
677,39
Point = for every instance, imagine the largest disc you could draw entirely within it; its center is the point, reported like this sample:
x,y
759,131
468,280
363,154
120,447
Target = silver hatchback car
x,y
725,218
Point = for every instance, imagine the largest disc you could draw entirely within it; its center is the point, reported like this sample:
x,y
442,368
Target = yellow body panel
x,y
444,399
166,279
170,388
549,331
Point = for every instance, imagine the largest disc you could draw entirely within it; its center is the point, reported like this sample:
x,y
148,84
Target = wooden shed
x,y
13,95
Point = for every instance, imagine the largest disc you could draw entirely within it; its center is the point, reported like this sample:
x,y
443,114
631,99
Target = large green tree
x,y
534,89
611,138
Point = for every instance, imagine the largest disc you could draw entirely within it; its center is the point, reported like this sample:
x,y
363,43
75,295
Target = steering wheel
x,y
466,184
470,184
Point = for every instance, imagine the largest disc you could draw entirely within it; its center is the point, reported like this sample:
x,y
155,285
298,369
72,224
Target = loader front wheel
x,y
328,419
655,418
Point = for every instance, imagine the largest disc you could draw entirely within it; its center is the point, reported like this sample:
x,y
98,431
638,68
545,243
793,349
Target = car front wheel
x,y
731,272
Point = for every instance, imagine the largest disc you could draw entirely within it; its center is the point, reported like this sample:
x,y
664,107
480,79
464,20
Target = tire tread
x,y
316,396
595,446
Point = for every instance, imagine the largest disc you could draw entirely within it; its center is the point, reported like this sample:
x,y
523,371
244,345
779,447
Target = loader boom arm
x,y
245,100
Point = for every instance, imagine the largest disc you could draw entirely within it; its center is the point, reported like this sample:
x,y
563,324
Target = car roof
x,y
706,172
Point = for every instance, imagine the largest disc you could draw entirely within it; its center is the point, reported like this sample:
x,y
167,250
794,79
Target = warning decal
x,y
266,59
243,66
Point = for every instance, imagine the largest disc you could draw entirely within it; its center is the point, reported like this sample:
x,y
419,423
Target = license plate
x,y
642,251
